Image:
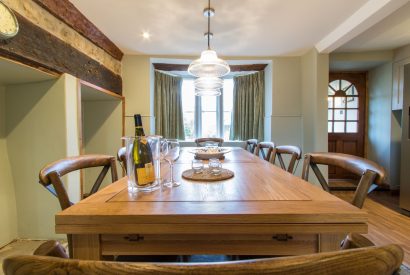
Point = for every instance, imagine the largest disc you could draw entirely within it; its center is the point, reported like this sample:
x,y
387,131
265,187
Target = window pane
x,y
209,128
340,102
339,127
189,125
329,127
188,95
352,115
227,125
330,114
208,103
339,114
330,102
188,108
351,127
352,102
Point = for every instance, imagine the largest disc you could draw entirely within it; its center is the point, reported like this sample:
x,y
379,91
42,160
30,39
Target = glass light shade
x,y
208,92
208,83
209,65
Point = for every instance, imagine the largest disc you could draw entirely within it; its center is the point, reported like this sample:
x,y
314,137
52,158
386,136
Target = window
x,y
207,116
343,107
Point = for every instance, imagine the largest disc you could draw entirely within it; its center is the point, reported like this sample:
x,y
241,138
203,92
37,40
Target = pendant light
x,y
208,68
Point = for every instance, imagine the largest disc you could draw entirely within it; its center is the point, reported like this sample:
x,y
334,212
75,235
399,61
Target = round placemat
x,y
206,175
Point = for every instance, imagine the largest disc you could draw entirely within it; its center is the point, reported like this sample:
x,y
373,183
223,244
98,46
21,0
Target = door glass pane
x,y
330,114
330,102
352,115
329,127
351,91
345,84
351,127
189,125
335,85
352,102
340,102
339,127
339,114
209,124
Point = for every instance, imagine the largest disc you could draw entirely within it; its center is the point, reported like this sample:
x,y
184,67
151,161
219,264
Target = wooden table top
x,y
259,193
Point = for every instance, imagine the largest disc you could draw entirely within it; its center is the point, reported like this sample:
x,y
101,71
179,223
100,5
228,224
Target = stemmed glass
x,y
171,156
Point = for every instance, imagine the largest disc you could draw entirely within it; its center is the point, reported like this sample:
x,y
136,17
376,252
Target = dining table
x,y
261,210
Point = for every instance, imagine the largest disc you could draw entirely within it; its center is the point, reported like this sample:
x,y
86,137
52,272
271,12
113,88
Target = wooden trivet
x,y
206,175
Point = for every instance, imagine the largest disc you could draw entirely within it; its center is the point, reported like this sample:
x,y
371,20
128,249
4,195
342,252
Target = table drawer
x,y
279,244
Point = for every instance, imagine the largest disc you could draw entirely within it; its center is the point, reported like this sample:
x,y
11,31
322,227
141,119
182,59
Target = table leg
x,y
330,242
86,247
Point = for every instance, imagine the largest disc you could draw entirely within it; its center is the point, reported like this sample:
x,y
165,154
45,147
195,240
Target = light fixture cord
x,y
209,23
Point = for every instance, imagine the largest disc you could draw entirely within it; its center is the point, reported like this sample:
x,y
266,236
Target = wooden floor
x,y
385,225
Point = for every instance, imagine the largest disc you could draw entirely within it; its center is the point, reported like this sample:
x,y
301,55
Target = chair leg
x,y
363,187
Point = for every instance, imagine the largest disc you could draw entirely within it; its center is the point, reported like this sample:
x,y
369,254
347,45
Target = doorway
x,y
346,117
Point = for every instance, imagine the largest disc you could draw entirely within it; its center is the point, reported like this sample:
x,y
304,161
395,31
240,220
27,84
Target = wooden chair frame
x,y
199,141
369,171
369,260
250,145
259,151
294,151
50,177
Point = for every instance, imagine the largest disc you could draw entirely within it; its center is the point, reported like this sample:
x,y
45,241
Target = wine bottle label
x,y
145,174
143,141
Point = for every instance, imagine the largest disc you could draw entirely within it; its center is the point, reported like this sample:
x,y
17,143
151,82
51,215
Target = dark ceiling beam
x,y
184,67
69,14
35,47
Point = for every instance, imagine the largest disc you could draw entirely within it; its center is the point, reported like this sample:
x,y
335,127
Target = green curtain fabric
x,y
248,107
168,106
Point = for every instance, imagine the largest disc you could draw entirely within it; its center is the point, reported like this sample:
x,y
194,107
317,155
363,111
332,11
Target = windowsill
x,y
233,143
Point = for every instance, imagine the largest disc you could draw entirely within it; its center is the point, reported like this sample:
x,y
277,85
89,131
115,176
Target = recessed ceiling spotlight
x,y
146,35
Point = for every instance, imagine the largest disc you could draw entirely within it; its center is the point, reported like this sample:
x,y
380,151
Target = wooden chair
x,y
251,144
51,249
371,260
50,177
369,171
264,150
294,151
122,158
200,142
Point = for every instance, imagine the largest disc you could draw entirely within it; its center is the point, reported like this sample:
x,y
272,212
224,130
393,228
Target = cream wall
x,y
315,79
36,135
379,117
102,130
8,211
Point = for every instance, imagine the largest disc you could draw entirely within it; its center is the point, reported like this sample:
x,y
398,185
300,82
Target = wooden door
x,y
346,117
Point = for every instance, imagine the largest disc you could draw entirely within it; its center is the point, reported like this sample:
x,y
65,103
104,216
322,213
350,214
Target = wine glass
x,y
171,156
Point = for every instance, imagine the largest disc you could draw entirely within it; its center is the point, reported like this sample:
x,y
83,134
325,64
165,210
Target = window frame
x,y
219,113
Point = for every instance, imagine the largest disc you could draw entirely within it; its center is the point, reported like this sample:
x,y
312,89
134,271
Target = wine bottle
x,y
144,167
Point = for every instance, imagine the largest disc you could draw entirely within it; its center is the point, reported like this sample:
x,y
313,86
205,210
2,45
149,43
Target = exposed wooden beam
x,y
40,49
234,68
365,17
69,14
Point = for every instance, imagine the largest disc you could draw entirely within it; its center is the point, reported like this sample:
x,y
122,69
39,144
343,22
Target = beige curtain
x,y
168,106
248,107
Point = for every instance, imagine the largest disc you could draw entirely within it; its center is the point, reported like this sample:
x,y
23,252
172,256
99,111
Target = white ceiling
x,y
240,27
390,33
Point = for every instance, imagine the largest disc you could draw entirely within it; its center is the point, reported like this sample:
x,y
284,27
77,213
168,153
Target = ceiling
x,y
15,73
240,27
390,33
